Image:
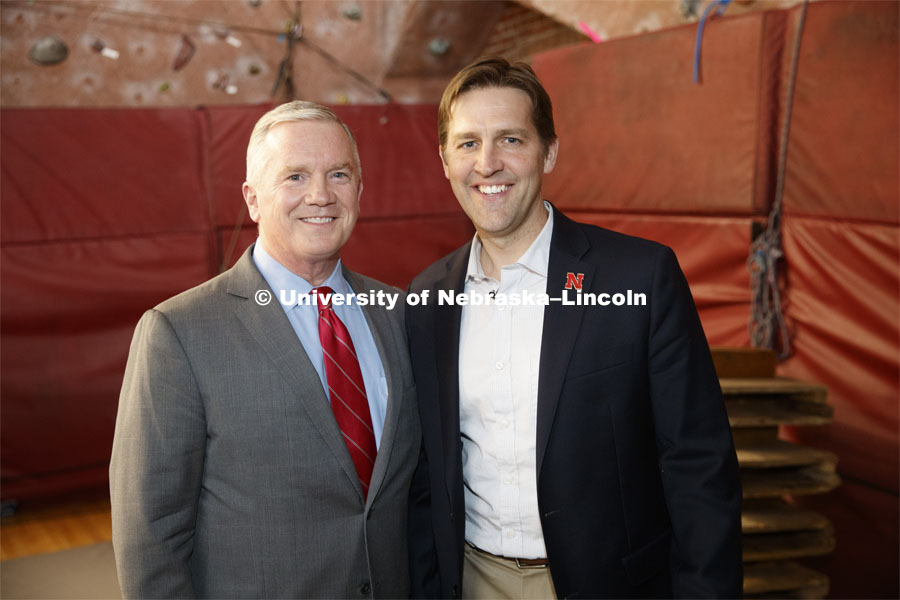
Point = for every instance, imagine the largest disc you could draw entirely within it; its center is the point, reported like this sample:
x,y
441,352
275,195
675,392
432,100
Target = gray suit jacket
x,y
229,475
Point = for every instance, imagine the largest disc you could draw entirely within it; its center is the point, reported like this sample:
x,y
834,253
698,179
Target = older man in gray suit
x,y
263,449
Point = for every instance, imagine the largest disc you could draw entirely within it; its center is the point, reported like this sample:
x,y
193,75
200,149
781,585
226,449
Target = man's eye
x,y
294,177
511,140
467,145
341,175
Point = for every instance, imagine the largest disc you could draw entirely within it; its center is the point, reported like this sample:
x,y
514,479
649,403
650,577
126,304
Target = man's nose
x,y
317,191
488,161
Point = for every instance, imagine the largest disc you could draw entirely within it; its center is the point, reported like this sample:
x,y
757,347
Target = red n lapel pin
x,y
574,280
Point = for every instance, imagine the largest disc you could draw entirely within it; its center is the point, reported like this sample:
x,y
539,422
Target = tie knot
x,y
323,296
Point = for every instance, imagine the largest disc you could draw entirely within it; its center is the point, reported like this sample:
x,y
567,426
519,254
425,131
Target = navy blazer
x,y
638,485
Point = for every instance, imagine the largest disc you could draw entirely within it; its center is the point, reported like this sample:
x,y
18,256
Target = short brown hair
x,y
496,72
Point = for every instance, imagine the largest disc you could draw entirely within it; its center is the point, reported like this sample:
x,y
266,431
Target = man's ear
x,y
359,192
550,159
252,201
443,162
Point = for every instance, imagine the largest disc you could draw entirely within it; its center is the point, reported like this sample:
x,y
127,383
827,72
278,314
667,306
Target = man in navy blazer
x,y
575,441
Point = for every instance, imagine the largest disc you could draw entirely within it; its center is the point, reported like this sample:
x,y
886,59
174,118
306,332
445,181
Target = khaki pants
x,y
486,576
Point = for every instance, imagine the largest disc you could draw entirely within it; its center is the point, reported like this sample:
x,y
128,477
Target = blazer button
x,y
455,591
365,589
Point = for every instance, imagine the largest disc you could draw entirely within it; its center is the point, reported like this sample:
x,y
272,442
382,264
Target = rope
x,y
722,5
766,253
232,241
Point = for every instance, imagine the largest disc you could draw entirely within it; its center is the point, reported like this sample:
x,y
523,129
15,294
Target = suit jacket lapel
x,y
272,330
447,323
561,323
380,326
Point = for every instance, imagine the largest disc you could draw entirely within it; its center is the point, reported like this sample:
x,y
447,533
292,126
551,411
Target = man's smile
x,y
493,189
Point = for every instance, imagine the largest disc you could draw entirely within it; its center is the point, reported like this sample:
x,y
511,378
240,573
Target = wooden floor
x,y
49,526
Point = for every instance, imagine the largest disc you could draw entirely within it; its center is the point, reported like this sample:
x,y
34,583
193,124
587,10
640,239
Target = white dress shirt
x,y
499,356
304,319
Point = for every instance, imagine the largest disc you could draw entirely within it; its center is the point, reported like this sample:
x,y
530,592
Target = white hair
x,y
298,110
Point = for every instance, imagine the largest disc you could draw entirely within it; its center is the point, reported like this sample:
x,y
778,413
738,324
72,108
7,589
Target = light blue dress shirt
x,y
305,321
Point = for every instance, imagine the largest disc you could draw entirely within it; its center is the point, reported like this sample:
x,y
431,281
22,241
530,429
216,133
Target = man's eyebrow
x,y
463,135
518,132
513,131
307,168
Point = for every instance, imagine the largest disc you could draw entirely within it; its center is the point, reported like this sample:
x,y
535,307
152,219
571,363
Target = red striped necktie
x,y
346,388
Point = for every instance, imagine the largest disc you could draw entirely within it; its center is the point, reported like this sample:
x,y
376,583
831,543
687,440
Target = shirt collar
x,y
280,277
535,258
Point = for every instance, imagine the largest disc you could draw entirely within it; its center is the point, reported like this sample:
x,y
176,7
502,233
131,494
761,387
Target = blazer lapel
x,y
561,323
380,326
447,323
272,330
